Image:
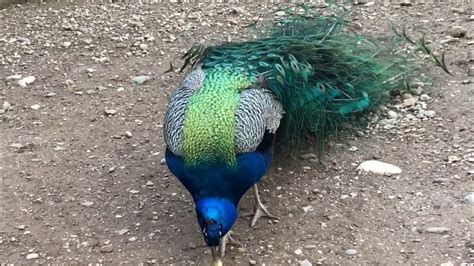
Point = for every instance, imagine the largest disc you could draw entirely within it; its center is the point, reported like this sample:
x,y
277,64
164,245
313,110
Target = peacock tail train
x,y
322,74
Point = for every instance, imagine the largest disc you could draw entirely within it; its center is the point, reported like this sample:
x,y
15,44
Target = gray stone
x,y
6,106
430,114
280,13
87,203
122,231
437,230
416,91
308,156
378,167
457,31
469,198
26,81
392,114
424,97
351,252
306,263
32,256
139,80
441,180
405,3
109,248
110,111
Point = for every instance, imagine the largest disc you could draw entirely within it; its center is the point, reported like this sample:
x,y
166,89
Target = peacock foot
x,y
259,210
227,239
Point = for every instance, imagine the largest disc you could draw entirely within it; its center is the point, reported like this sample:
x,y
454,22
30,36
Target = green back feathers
x,y
322,74
209,131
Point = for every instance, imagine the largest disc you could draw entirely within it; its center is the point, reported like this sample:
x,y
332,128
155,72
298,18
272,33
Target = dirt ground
x,y
82,177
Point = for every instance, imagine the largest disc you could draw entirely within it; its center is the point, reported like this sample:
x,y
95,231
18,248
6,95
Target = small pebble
x,y
351,252
416,91
50,94
139,80
409,102
308,156
87,203
122,231
310,247
392,114
353,148
32,256
6,106
112,169
109,248
405,3
453,159
149,183
441,180
305,263
280,13
469,198
133,191
378,167
430,114
252,262
163,161
128,134
437,230
26,81
14,77
132,239
110,111
35,106
457,31
298,252
447,264
424,97
143,46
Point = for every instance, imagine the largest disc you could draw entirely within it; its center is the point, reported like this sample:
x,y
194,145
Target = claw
x,y
260,210
227,239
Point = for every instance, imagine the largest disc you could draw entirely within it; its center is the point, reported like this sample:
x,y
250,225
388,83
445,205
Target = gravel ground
x,y
83,176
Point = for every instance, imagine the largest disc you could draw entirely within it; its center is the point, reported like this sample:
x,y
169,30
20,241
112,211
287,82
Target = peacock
x,y
288,89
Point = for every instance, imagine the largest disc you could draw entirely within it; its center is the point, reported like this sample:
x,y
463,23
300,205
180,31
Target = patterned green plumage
x,y
322,74
209,131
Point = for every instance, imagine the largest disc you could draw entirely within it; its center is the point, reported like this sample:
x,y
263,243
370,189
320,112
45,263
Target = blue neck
x,y
215,216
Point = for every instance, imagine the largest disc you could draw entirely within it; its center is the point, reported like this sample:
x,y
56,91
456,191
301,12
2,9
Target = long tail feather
x,y
321,73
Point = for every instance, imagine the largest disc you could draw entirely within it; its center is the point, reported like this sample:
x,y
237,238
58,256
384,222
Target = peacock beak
x,y
216,258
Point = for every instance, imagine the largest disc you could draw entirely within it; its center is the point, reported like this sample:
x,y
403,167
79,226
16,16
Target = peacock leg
x,y
225,240
260,209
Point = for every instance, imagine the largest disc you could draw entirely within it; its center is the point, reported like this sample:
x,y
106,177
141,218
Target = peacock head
x,y
215,216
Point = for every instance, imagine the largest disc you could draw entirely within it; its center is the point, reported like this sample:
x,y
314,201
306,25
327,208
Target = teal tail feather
x,y
322,74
